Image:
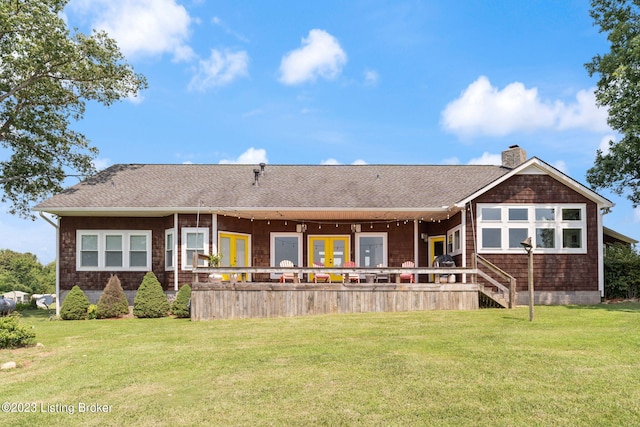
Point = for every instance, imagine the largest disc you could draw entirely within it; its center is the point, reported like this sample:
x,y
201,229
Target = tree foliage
x,y
47,73
150,300
621,272
619,90
23,272
113,301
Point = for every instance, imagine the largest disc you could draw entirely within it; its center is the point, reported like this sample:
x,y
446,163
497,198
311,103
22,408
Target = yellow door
x,y
235,251
436,248
332,251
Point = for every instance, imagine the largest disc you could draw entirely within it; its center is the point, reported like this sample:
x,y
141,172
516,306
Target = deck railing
x,y
508,292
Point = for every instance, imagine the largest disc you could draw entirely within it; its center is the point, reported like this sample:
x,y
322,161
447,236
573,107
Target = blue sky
x,y
393,82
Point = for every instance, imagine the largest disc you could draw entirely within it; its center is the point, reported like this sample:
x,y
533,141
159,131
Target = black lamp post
x,y
526,244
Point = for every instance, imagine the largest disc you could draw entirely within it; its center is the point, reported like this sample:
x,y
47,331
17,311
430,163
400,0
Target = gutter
x,y
57,227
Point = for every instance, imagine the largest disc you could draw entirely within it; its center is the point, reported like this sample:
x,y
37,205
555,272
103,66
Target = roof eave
x,y
602,202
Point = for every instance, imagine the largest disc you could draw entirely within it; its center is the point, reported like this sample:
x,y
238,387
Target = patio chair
x,y
320,276
407,276
382,276
287,276
351,277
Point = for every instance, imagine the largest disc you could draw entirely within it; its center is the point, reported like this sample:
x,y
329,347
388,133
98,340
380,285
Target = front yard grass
x,y
571,366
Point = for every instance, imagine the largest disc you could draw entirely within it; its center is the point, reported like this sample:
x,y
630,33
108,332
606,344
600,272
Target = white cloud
x,y
483,109
487,159
371,78
583,114
320,56
101,164
251,156
330,161
561,165
604,143
141,27
218,22
219,70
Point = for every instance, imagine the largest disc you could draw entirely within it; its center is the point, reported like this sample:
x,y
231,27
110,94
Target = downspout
x,y
463,240
416,237
600,254
57,227
174,261
416,240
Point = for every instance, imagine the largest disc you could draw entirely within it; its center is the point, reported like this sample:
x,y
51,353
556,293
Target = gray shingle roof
x,y
180,187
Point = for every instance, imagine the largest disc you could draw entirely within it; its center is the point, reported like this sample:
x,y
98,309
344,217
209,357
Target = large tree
x,y
619,90
47,74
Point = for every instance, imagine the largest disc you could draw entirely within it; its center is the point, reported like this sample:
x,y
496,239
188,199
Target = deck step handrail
x,y
508,291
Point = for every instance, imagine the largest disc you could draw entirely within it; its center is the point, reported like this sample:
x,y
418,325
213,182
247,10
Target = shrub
x,y
75,305
150,300
621,272
113,302
180,307
13,334
92,312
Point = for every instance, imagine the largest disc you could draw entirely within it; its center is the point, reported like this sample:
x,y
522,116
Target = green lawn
x,y
571,366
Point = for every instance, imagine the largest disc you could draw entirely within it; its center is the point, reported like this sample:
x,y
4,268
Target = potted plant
x,y
214,260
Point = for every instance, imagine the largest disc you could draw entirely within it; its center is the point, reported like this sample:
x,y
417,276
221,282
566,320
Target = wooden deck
x,y
250,300
242,298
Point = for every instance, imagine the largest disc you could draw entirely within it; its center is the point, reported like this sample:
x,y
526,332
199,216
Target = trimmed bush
x,y
180,307
150,300
113,301
13,334
75,305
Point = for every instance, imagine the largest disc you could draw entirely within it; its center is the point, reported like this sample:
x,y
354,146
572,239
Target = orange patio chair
x,y
320,276
351,277
407,276
287,276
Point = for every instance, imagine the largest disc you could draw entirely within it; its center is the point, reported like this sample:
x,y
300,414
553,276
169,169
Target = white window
x,y
169,249
454,241
557,228
285,246
194,240
113,250
371,249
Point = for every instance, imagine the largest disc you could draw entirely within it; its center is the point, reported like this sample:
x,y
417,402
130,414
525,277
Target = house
x,y
134,218
18,296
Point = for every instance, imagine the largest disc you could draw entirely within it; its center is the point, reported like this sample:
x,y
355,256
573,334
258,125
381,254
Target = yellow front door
x,y
332,251
235,251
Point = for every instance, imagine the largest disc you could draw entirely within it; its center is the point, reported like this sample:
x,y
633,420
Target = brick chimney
x,y
513,157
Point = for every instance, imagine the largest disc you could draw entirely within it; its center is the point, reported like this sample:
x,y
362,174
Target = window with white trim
x,y
194,240
454,241
169,248
559,228
113,250
371,249
285,246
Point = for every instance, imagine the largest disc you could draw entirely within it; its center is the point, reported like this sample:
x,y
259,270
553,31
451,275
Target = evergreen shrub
x,y
180,307
150,300
113,301
13,334
75,305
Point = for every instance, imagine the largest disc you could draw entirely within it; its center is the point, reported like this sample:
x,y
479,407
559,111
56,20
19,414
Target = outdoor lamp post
x,y
526,244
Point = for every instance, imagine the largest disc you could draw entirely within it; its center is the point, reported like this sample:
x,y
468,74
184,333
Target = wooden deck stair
x,y
491,292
